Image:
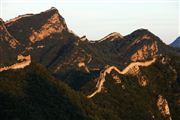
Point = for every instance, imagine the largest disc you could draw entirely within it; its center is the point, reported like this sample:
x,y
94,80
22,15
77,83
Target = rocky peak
x,y
140,45
36,27
140,31
142,34
143,45
52,9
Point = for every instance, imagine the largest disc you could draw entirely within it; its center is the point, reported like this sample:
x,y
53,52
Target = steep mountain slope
x,y
8,46
32,28
45,35
47,39
176,43
32,93
137,94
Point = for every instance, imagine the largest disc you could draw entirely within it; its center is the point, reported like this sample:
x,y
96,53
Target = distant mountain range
x,y
118,77
176,43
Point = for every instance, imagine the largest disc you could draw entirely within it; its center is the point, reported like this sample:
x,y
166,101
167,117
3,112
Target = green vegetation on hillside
x,y
33,94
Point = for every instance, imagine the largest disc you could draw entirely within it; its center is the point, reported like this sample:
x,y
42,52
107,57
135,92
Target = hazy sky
x,y
97,18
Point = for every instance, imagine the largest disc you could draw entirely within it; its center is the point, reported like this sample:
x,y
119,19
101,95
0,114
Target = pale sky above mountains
x,y
97,18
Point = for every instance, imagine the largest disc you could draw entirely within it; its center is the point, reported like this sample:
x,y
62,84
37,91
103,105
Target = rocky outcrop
x,y
145,52
163,107
83,65
53,25
142,80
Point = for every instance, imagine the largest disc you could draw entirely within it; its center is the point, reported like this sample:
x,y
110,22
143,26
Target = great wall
x,y
132,69
128,70
23,62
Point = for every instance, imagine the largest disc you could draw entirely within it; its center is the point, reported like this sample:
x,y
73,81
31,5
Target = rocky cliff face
x,y
36,27
144,45
8,45
45,35
6,36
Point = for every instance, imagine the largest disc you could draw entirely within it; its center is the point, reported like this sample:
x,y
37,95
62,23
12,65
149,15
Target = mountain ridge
x,y
51,21
52,44
65,69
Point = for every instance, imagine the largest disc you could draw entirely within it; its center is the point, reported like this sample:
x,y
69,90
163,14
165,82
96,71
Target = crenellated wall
x,y
132,68
24,61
